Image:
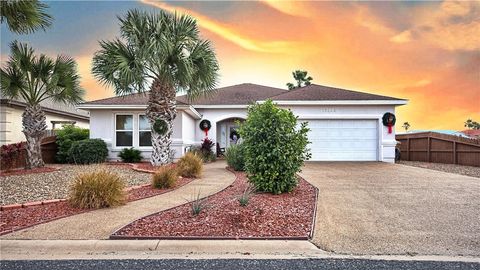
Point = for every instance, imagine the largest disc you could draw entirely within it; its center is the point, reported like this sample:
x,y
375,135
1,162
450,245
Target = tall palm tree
x,y
301,79
35,78
163,53
406,126
24,16
471,124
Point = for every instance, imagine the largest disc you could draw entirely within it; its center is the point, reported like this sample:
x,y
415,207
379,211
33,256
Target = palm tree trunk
x,y
161,105
34,126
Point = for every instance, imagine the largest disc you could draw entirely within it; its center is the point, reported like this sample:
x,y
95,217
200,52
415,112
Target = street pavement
x,y
231,264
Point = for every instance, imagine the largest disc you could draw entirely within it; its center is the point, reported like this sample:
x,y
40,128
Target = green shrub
x,y
88,151
274,147
235,157
130,155
97,189
65,137
190,165
164,177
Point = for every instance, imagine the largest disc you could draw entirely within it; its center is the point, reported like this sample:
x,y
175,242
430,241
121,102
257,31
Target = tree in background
x,y
406,126
471,124
302,80
163,53
24,16
35,78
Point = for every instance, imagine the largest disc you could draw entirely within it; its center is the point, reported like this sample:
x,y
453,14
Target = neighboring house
x,y
472,133
441,131
56,115
345,125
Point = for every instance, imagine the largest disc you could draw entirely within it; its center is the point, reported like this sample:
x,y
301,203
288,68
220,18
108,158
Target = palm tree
x,y
471,124
24,16
163,53
35,79
301,77
406,126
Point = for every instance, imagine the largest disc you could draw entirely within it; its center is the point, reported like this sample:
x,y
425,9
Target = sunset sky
x,y
426,52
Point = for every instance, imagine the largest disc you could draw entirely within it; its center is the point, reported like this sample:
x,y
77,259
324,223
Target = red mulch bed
x,y
287,216
21,218
148,166
30,171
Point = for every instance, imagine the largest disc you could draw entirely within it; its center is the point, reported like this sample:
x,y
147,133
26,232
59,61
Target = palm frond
x,y
25,16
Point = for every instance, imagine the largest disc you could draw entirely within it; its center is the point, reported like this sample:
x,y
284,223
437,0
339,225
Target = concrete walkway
x,y
99,224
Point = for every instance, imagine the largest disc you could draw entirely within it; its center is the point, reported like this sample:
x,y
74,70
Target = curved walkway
x,y
99,224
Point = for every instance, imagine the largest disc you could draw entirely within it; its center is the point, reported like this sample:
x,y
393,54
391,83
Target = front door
x,y
232,135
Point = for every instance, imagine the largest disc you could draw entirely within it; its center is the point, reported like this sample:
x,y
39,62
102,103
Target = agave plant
x,y
162,53
24,16
33,79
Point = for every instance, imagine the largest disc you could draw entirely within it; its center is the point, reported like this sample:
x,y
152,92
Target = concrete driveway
x,y
379,208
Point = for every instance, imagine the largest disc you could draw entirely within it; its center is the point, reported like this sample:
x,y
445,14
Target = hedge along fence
x,y
49,149
439,148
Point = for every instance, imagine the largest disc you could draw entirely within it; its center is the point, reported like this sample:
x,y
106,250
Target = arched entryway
x,y
227,133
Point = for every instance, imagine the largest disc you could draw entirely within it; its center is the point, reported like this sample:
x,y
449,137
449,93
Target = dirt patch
x,y
21,218
287,215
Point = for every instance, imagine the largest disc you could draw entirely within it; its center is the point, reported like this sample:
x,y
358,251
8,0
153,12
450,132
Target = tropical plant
x,y
406,126
205,150
301,79
130,155
247,193
164,177
235,157
34,79
275,147
98,189
24,16
190,165
161,52
65,137
88,151
471,124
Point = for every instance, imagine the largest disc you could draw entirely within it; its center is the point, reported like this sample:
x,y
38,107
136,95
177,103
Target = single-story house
x,y
345,125
56,115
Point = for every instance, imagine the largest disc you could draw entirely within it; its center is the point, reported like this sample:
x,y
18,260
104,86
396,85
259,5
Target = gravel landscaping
x,y
450,168
55,185
17,219
288,215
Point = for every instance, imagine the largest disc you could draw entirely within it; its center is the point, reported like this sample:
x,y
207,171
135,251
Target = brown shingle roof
x,y
320,92
244,94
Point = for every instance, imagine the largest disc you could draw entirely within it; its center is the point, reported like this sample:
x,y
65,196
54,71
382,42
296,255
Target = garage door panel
x,y
343,140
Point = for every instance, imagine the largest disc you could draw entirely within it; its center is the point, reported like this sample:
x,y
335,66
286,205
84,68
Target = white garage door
x,y
343,140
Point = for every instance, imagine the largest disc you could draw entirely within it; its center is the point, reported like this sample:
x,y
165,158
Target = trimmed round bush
x,y
164,177
190,165
235,157
65,138
88,151
98,189
130,155
275,147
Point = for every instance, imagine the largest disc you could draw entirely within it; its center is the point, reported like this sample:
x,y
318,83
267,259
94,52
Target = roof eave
x,y
188,108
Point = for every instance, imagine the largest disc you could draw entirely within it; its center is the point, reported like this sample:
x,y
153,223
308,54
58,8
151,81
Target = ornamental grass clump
x,y
98,189
275,147
165,177
235,157
190,165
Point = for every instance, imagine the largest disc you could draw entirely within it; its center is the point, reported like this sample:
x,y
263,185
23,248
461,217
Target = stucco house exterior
x,y
56,115
345,125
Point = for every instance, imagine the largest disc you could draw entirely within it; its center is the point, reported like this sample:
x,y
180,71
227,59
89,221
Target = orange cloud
x,y
227,32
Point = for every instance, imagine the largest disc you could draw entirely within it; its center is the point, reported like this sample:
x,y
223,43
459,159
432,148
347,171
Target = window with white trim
x,y
124,130
144,131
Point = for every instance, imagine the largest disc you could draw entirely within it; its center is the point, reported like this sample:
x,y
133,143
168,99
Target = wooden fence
x,y
439,148
49,150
